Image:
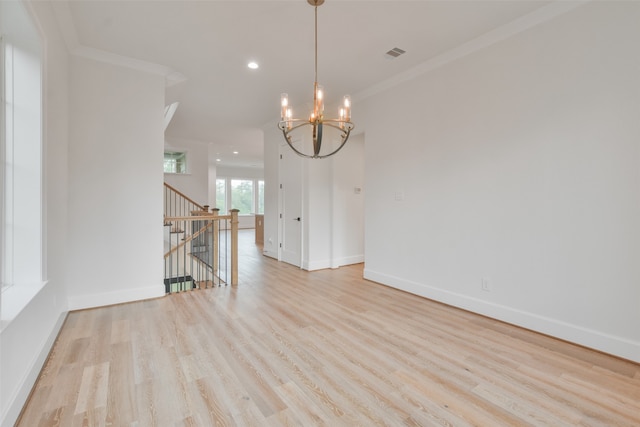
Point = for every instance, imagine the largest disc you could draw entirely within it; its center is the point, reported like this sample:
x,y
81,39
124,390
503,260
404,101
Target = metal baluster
x,y
184,261
211,236
170,259
226,252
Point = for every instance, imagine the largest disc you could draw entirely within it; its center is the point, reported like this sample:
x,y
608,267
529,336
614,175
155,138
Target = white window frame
x,y
2,161
227,198
22,183
185,169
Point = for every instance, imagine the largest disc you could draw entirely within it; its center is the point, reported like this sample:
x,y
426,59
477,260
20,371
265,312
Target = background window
x,y
21,163
260,203
175,162
242,195
246,195
221,195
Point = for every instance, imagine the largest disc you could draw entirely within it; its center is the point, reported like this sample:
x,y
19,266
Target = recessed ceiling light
x,y
253,65
235,152
218,160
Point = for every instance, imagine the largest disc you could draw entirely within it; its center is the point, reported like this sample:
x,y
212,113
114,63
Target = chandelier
x,y
317,122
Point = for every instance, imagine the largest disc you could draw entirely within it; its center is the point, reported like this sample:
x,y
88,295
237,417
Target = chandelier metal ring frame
x,y
316,120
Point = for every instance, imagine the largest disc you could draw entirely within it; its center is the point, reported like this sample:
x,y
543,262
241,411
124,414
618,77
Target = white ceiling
x,y
204,47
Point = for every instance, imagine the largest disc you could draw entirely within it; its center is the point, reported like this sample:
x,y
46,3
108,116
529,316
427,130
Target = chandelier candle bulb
x,y
289,116
284,103
347,108
320,95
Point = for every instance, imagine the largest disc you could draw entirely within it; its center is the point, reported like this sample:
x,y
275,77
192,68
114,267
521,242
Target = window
x,y
242,196
246,195
175,162
4,282
260,203
21,160
21,189
221,195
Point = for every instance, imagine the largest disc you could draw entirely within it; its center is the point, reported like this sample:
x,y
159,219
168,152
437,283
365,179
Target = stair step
x,y
181,283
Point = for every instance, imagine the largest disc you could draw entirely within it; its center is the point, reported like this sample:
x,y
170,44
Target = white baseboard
x,y
607,343
335,263
349,260
21,395
316,265
79,302
270,254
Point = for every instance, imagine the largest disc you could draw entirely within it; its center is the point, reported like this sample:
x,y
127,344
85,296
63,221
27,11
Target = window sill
x,y
14,299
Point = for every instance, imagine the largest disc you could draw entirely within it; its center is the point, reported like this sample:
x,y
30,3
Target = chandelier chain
x,y
316,43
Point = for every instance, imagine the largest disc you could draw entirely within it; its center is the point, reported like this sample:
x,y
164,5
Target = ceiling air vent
x,y
394,53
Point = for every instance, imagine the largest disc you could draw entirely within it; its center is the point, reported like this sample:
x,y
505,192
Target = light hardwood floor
x,y
292,348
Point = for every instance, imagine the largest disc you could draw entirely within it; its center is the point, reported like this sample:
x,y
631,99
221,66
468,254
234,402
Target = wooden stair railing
x,y
203,232
177,203
188,239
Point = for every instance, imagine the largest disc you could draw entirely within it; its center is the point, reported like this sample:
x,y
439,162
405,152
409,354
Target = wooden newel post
x,y
216,240
234,246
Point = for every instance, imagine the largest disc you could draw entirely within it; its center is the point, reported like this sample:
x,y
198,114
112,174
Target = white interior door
x,y
291,206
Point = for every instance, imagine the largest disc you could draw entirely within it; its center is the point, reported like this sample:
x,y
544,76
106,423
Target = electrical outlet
x,y
486,284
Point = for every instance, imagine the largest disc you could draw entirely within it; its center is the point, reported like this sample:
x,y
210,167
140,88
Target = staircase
x,y
201,246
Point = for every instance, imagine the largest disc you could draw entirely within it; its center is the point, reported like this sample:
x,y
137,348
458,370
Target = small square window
x,y
175,162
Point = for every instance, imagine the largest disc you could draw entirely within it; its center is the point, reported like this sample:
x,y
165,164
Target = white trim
x,y
65,24
67,28
3,128
335,263
227,195
15,298
169,111
21,394
607,343
349,260
171,76
316,265
80,302
537,17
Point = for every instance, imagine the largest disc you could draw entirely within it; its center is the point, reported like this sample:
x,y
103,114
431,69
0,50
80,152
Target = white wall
x,y
518,164
240,172
334,226
333,215
348,203
272,140
317,213
212,175
26,340
195,182
115,184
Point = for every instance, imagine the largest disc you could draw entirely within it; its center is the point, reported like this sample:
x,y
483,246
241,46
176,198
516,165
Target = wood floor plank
x,y
93,388
291,348
122,407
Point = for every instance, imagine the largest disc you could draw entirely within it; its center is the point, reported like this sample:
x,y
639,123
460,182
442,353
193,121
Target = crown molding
x,y
537,17
63,16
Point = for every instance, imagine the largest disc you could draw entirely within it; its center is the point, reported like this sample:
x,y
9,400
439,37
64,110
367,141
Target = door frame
x,y
282,214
